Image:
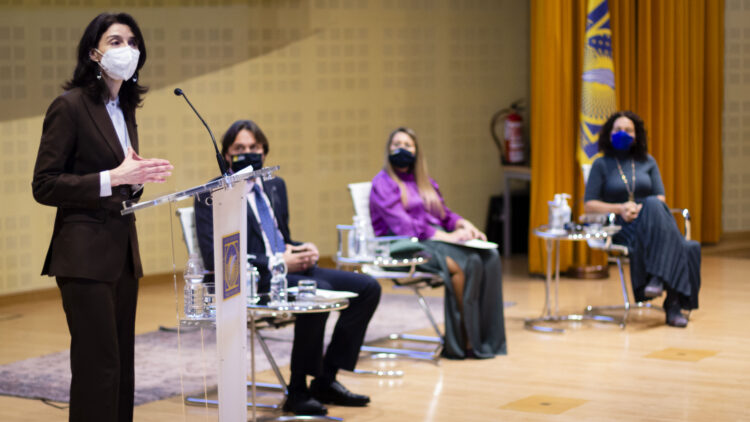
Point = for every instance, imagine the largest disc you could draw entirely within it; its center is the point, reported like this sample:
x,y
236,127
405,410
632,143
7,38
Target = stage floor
x,y
647,371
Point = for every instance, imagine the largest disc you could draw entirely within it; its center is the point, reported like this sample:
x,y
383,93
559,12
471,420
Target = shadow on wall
x,y
42,44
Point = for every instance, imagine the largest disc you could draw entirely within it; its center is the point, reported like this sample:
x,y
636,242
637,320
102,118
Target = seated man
x,y
267,233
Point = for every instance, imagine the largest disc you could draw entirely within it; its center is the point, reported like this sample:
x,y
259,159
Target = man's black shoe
x,y
301,403
335,393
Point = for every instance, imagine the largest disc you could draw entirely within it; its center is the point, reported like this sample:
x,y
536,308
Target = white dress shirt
x,y
118,121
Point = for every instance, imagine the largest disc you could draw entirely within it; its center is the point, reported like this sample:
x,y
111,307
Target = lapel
x,y
252,222
270,193
274,198
103,122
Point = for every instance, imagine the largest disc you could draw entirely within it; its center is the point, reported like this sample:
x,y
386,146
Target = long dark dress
x,y
483,321
655,245
483,318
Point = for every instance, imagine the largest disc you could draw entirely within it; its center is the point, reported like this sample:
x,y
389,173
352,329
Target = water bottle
x,y
278,292
352,240
193,276
362,245
361,238
253,276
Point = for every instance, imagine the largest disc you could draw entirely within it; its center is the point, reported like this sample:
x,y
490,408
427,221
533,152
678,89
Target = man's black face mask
x,y
240,161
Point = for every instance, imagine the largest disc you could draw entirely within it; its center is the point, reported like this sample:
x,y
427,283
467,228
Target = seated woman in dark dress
x,y
405,201
626,181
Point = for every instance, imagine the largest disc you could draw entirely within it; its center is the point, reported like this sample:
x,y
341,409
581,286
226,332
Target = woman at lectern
x,y
404,200
87,165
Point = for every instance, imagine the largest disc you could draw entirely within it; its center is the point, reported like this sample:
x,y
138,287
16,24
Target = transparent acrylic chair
x,y
401,272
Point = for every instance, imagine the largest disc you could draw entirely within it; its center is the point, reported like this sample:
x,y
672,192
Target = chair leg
x,y
424,339
627,304
394,352
623,285
281,387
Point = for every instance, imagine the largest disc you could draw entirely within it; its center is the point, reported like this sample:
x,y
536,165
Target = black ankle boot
x,y
654,288
672,308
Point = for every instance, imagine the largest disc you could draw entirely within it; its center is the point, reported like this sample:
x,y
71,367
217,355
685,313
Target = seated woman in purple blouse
x,y
405,201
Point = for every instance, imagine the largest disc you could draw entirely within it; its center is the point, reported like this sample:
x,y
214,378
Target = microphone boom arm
x,y
219,159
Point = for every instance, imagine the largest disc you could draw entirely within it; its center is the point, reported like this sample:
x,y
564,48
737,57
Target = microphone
x,y
219,159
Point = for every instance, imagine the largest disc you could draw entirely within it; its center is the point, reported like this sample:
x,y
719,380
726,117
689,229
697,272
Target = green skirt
x,y
483,317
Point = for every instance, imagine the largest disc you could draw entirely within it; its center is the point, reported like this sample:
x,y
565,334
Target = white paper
x,y
476,244
322,294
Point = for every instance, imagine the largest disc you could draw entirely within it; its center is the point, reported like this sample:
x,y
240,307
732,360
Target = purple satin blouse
x,y
390,217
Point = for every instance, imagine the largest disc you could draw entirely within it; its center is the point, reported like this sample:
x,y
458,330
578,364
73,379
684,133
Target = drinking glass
x,y
209,300
306,289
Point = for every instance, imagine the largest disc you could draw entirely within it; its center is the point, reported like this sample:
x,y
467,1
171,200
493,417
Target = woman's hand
x,y
473,232
629,211
135,170
300,258
456,236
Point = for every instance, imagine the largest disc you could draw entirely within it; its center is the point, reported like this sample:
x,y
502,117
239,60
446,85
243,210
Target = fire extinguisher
x,y
512,147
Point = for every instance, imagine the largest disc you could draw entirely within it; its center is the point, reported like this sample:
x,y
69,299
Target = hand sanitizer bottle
x,y
559,213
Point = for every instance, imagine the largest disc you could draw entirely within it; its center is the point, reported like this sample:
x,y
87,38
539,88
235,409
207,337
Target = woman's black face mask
x,y
402,158
241,161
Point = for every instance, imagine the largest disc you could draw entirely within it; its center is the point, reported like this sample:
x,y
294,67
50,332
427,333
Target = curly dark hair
x,y
639,150
84,75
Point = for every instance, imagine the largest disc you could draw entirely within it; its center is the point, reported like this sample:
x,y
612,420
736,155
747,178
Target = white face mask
x,y
120,63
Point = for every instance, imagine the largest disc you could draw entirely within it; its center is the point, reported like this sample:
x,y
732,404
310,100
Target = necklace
x,y
631,192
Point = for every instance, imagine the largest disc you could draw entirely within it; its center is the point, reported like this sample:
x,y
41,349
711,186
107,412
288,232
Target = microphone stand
x,y
219,159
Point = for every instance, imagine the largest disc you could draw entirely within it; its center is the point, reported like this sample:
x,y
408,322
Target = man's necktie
x,y
267,223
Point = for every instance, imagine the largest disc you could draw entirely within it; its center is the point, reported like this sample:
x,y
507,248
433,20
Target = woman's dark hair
x,y
237,127
84,76
639,150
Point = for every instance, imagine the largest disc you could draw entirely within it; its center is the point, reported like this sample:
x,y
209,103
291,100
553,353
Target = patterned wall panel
x,y
327,80
736,131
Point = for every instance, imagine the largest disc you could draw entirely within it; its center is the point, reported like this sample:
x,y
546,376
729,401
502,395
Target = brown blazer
x,y
90,238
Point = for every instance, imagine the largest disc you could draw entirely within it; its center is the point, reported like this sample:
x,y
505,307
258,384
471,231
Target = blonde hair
x,y
427,192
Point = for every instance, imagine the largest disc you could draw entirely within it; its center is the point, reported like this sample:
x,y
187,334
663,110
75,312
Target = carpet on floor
x,y
162,364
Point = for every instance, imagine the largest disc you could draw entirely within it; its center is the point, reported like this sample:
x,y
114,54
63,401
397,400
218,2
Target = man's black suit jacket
x,y
275,189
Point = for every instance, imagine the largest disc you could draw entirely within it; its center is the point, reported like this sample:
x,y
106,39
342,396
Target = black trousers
x,y
101,320
349,333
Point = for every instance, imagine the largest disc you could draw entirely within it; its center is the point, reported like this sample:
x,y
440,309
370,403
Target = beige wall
x,y
325,79
736,133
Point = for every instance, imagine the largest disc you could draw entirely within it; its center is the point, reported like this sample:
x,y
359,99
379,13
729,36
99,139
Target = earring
x,y
135,77
99,74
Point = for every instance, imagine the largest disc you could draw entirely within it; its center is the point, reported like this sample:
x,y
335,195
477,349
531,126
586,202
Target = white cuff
x,y
105,186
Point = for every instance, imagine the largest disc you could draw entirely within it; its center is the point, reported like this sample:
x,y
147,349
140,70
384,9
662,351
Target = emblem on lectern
x,y
230,257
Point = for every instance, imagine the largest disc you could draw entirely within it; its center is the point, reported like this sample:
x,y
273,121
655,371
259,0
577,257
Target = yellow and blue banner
x,y
598,99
